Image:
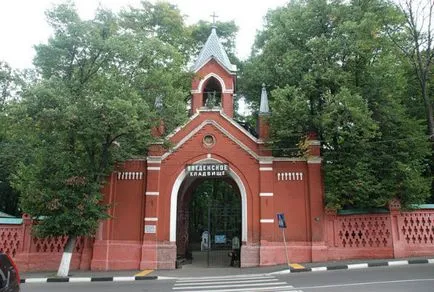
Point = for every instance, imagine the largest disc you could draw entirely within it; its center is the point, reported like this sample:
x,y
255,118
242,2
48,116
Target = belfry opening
x,y
212,93
209,228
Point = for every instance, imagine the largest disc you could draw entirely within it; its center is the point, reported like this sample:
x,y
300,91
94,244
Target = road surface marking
x,y
366,283
143,273
296,266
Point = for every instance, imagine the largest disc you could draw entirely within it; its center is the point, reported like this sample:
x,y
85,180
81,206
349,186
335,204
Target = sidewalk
x,y
190,270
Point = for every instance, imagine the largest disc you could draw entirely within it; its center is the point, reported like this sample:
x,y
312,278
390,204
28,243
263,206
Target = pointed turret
x,y
158,130
264,112
214,49
263,107
214,82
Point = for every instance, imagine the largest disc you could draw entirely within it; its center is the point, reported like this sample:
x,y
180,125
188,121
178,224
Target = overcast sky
x,y
23,23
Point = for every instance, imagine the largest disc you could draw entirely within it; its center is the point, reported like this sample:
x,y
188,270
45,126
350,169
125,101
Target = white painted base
x,y
64,264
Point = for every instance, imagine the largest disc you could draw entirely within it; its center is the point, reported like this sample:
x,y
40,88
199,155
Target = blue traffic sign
x,y
281,220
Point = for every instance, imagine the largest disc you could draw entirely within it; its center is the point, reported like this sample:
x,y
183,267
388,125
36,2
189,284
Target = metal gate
x,y
210,237
224,224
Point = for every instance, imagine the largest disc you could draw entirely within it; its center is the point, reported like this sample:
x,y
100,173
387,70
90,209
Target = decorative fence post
x,y
330,232
22,258
395,210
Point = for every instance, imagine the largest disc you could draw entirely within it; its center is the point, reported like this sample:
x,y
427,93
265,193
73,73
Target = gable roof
x,y
213,49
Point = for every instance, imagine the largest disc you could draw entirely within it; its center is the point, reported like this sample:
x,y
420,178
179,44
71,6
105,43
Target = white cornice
x,y
154,159
289,159
314,160
207,109
314,142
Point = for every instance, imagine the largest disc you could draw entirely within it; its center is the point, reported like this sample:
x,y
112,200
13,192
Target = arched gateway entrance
x,y
208,215
154,199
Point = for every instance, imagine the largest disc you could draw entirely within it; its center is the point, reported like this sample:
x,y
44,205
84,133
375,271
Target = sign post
x,y
282,225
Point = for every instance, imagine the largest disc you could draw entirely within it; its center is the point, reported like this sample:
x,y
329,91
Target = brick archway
x,y
175,193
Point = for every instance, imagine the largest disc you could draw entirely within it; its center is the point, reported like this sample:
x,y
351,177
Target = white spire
x,y
263,107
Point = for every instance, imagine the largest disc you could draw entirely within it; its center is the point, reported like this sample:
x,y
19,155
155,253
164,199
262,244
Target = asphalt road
x,y
414,278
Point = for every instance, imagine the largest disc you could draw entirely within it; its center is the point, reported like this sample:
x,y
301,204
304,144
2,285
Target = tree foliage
x,y
334,70
10,86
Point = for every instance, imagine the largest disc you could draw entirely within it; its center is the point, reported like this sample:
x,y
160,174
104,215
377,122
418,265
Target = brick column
x,y
267,220
196,101
100,254
316,201
228,104
149,247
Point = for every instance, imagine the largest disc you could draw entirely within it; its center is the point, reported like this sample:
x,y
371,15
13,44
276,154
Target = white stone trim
x,y
205,109
151,219
183,125
265,169
266,194
208,76
218,62
289,159
174,200
154,160
289,176
219,127
266,220
130,175
238,126
314,142
230,120
195,91
263,160
314,160
152,193
208,155
153,168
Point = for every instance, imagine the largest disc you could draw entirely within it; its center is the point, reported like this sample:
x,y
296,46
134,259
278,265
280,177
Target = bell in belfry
x,y
211,99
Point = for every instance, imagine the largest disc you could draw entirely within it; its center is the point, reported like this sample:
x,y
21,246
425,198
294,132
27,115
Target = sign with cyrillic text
x,y
207,170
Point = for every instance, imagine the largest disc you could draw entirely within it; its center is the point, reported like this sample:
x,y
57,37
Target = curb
x,y
355,266
87,279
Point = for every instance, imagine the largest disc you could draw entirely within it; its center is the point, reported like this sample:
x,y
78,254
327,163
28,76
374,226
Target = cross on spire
x,y
214,16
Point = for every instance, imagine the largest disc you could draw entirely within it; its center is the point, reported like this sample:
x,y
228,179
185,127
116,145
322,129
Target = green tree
x,y
416,43
333,70
92,108
10,86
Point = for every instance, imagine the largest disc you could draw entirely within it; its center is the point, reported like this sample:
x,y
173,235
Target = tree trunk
x,y
66,257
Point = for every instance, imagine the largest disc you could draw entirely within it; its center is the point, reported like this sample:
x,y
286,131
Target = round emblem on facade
x,y
208,141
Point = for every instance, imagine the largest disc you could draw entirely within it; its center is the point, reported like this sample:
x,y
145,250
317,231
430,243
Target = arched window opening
x,y
212,93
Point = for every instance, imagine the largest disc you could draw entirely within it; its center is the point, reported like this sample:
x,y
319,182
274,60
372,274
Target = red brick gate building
x,y
145,228
148,196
